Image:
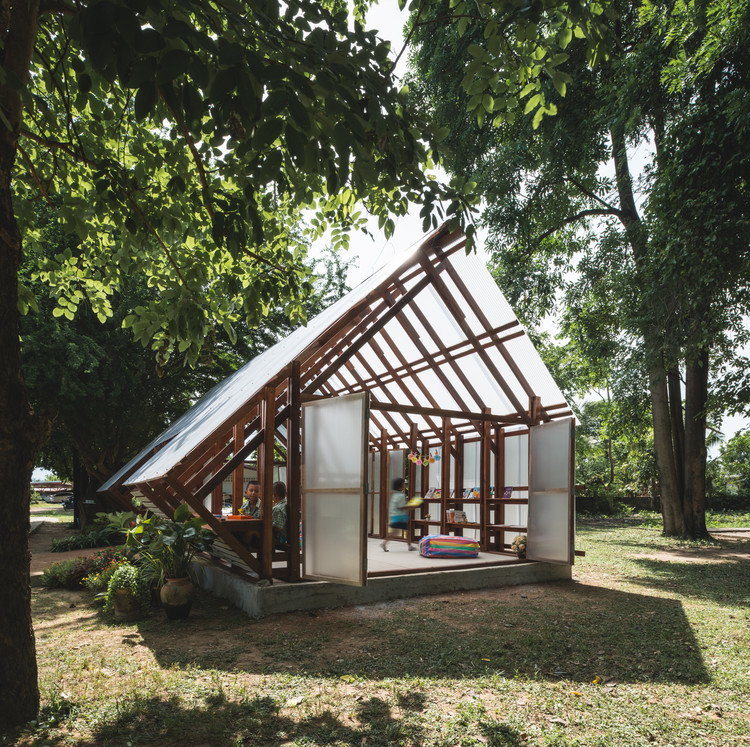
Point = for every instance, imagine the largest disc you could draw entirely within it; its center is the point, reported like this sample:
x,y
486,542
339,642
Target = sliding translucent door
x,y
551,533
334,489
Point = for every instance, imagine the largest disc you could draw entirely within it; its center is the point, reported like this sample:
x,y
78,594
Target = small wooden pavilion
x,y
423,372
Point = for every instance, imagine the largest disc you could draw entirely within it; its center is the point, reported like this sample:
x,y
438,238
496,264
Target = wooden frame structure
x,y
447,367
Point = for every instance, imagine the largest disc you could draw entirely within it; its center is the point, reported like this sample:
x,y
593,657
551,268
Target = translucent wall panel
x,y
516,474
332,537
548,537
374,481
333,500
332,447
516,461
551,492
472,455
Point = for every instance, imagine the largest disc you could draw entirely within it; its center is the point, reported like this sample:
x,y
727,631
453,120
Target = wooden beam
x,y
458,315
386,360
445,472
293,470
370,332
441,413
265,467
229,465
455,353
238,475
485,480
477,310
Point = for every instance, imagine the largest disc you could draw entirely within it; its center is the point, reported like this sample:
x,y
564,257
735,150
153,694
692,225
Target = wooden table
x,y
249,531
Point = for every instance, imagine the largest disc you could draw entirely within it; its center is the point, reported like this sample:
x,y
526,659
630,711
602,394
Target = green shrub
x,y
59,575
72,573
127,576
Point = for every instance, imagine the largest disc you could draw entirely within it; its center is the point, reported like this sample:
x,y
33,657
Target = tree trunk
x,y
21,433
674,389
671,499
21,436
696,396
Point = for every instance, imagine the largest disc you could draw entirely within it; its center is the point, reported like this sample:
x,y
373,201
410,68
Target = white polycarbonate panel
x,y
395,465
483,288
333,442
550,457
439,317
472,454
516,461
550,492
420,333
333,489
332,546
548,538
524,353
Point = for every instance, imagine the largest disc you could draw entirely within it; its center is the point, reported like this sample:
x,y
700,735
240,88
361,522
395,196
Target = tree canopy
x,y
660,283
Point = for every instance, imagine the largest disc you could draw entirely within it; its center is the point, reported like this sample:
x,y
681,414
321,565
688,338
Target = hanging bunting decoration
x,y
419,459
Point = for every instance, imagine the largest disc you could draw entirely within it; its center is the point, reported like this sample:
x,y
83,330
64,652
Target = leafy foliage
x,y
107,396
733,469
187,147
73,572
127,577
165,548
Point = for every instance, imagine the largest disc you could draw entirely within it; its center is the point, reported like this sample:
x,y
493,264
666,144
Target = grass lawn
x,y
647,645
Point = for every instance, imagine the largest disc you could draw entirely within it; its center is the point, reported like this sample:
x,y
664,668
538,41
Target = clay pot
x,y
177,598
125,605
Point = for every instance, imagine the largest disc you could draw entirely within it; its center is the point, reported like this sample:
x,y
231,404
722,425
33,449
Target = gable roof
x,y
429,334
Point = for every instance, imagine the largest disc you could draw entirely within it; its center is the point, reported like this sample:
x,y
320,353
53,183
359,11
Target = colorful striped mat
x,y
448,546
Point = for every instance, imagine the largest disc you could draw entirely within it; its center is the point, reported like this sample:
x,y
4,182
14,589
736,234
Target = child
x,y
398,511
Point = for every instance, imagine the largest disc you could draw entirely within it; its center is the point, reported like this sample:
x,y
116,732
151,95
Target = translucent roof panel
x,y
450,373
221,402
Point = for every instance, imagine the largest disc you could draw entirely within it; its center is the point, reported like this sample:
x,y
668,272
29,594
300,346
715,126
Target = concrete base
x,y
260,601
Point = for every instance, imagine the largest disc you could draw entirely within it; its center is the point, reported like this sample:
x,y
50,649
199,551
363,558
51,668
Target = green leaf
x,y
145,100
174,63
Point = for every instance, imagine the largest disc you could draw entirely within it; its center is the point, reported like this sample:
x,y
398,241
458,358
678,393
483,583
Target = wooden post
x,y
217,494
238,476
458,479
445,472
485,479
500,485
265,467
411,473
385,488
293,470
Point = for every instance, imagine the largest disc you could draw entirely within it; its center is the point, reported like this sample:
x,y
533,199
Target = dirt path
x,y
40,542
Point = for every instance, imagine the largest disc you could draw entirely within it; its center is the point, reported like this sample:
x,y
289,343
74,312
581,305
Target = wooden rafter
x,y
460,318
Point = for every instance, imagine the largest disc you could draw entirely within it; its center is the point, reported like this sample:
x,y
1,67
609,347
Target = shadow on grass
x,y
262,721
720,582
553,631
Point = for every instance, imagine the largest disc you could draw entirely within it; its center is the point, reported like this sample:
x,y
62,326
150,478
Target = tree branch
x,y
153,232
35,175
196,155
411,33
588,193
578,216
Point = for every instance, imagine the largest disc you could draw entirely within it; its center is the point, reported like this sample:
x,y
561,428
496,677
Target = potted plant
x,y
127,594
165,549
519,545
